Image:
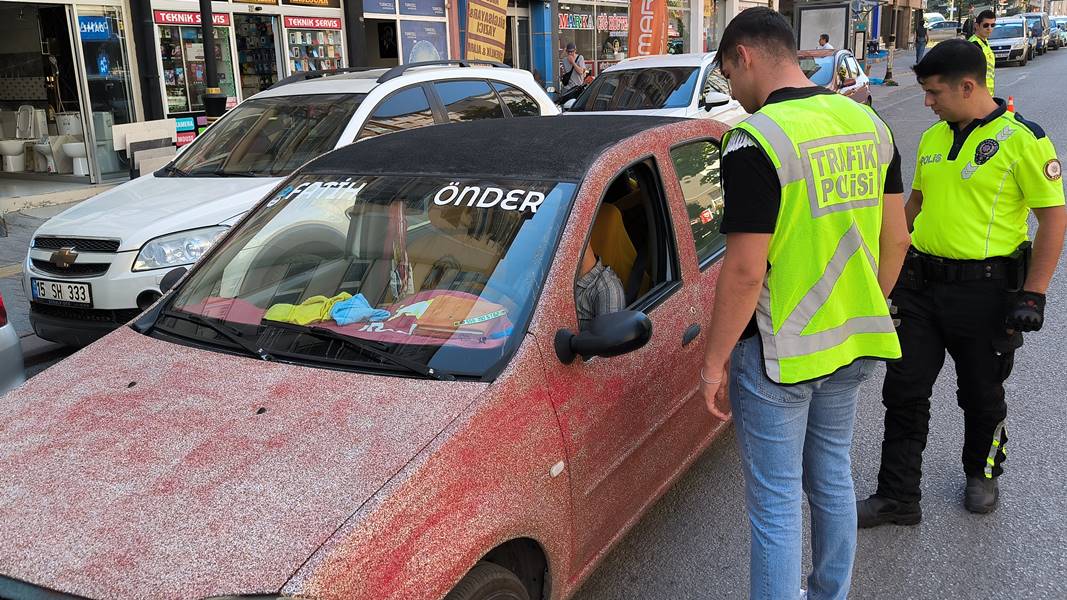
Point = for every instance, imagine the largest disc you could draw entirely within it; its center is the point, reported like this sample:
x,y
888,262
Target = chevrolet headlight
x,y
175,249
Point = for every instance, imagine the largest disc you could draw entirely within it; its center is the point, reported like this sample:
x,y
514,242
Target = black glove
x,y
1028,314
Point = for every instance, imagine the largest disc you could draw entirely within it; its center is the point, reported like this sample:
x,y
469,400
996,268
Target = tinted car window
x,y
519,103
1001,32
469,100
406,109
640,89
269,136
853,67
697,168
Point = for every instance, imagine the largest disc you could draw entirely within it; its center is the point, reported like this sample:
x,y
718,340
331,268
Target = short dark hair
x,y
758,26
824,36
986,14
952,60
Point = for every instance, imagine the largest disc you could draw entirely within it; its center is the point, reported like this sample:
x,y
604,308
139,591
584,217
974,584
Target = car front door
x,y
629,421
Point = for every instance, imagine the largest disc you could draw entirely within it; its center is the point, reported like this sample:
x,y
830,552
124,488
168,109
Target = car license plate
x,y
61,292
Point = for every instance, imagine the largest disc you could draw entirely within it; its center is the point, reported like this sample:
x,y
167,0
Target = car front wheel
x,y
488,581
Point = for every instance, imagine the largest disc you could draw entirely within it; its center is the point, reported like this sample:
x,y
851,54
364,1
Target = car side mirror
x,y
171,278
569,104
714,98
608,335
851,81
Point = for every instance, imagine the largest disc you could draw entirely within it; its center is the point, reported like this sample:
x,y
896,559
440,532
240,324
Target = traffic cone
x,y
1011,103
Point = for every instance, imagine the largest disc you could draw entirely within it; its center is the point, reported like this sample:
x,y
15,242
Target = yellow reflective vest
x,y
990,61
821,307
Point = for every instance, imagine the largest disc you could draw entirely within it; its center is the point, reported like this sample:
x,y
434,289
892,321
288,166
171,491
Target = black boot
x,y
879,510
981,495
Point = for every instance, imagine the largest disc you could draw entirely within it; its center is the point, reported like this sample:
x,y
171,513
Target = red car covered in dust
x,y
374,386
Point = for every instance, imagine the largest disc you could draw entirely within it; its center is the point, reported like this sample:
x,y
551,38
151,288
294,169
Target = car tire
x,y
488,581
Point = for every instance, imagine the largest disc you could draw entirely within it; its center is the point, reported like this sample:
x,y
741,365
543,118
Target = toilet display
x,y
28,128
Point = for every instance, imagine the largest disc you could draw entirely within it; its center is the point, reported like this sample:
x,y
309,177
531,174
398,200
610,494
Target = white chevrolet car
x,y
665,85
98,264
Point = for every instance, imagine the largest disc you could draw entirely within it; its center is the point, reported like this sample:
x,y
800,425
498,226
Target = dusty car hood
x,y
138,468
148,207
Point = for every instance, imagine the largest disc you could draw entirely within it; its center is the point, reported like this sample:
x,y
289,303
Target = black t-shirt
x,y
752,193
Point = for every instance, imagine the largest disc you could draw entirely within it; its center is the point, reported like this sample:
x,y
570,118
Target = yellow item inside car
x,y
312,310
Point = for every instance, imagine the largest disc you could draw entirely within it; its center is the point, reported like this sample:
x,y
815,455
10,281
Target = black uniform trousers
x,y
966,319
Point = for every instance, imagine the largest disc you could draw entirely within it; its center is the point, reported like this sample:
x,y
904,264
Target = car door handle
x,y
690,334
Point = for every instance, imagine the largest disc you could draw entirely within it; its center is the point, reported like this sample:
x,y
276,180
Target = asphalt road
x,y
694,542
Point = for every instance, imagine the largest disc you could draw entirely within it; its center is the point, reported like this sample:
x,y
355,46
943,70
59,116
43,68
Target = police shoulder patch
x,y
985,150
1033,127
1053,170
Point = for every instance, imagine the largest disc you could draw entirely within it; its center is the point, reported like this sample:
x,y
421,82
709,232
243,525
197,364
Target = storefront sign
x,y
423,8
271,2
318,3
185,137
311,23
486,26
185,124
231,102
423,41
94,29
612,23
170,17
575,21
648,27
380,6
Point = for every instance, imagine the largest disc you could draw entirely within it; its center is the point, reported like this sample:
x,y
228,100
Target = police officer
x,y
815,236
969,285
983,28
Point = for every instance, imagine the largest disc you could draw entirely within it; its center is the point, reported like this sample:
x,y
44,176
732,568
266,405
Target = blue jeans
x,y
920,49
795,440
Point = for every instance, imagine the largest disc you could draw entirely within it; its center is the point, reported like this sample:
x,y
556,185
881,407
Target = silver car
x,y
12,373
941,31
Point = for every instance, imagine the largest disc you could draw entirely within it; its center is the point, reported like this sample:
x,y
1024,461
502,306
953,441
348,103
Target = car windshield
x,y
819,70
640,89
439,271
268,137
1001,32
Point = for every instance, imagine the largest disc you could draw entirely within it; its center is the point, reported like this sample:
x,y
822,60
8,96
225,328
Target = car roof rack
x,y
398,71
306,75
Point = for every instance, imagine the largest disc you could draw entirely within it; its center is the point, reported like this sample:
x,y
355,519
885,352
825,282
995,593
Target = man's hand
x,y
570,59
1028,314
713,386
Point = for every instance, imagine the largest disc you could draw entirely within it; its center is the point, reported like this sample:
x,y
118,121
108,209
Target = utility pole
x,y
214,99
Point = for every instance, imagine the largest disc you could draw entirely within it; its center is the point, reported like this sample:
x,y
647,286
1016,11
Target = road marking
x,y
10,270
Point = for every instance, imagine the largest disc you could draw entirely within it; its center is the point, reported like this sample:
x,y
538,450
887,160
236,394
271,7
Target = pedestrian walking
x,y
969,286
968,25
983,28
920,36
815,231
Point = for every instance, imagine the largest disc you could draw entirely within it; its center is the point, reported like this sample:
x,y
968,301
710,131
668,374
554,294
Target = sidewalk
x,y
903,60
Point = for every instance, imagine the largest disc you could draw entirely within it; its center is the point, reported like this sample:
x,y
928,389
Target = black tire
x,y
487,581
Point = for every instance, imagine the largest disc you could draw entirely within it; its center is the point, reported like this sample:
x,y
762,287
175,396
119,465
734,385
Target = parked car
x,y
98,264
1011,42
1038,22
941,31
932,18
674,85
227,442
838,71
1058,28
12,371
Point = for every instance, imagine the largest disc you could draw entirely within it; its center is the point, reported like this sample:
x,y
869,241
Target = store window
x,y
406,109
678,19
107,69
257,52
405,31
468,100
315,44
577,26
697,167
182,51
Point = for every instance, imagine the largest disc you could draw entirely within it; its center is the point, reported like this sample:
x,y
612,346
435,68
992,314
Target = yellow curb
x,y
10,270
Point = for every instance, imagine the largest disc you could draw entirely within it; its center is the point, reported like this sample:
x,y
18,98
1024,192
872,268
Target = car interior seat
x,y
611,242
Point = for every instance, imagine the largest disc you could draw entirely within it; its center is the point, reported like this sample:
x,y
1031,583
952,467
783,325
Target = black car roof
x,y
554,148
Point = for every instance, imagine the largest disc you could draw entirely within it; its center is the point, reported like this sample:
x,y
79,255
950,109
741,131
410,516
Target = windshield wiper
x,y
227,332
367,347
221,173
175,171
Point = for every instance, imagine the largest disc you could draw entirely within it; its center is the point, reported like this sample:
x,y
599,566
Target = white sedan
x,y
668,85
